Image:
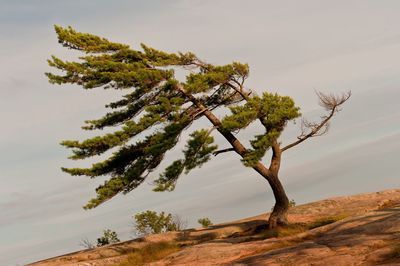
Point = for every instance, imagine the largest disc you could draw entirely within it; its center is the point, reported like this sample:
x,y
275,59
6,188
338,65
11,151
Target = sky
x,y
293,48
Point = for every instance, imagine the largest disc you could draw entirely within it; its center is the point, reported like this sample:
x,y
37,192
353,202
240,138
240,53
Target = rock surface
x,y
370,235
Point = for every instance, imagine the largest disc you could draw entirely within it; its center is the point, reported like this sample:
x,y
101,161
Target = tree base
x,y
277,219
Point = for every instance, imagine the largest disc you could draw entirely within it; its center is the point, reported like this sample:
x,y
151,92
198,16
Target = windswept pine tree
x,y
159,108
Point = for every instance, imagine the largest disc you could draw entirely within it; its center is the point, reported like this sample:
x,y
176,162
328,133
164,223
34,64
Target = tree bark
x,y
279,212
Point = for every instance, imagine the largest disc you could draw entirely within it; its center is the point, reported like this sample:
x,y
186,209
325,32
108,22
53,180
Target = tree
x,y
157,108
109,237
151,222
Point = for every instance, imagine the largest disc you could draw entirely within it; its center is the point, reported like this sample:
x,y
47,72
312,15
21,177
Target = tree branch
x,y
237,146
331,103
222,151
244,94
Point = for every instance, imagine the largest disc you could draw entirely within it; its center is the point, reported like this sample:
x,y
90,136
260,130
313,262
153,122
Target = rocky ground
x,y
367,232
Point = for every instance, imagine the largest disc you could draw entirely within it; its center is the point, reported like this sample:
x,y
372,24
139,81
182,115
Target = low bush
x,y
205,222
151,222
109,237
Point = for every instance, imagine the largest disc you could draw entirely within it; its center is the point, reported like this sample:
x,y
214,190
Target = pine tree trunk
x,y
279,212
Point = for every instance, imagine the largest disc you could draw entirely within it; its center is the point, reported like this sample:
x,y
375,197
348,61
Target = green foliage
x,y
260,145
151,222
156,109
198,149
86,42
213,76
197,152
167,180
242,116
277,110
109,237
205,222
326,220
272,110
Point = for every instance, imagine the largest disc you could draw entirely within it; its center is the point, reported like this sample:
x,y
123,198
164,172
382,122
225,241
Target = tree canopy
x,y
157,108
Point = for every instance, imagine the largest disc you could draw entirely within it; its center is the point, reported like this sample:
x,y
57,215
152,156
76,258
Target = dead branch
x,y
331,101
332,104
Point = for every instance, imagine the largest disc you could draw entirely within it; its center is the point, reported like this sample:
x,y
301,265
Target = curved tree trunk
x,y
279,212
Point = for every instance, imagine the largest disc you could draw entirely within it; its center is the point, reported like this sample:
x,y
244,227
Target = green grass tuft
x,y
149,253
326,220
289,230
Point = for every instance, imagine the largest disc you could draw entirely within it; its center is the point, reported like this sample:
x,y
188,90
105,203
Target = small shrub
x,y
151,222
109,237
149,253
205,222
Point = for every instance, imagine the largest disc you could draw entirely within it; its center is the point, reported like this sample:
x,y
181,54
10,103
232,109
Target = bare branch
x,y
196,63
86,243
228,100
330,103
245,94
179,222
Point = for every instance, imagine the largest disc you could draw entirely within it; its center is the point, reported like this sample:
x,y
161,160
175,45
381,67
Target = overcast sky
x,y
292,47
